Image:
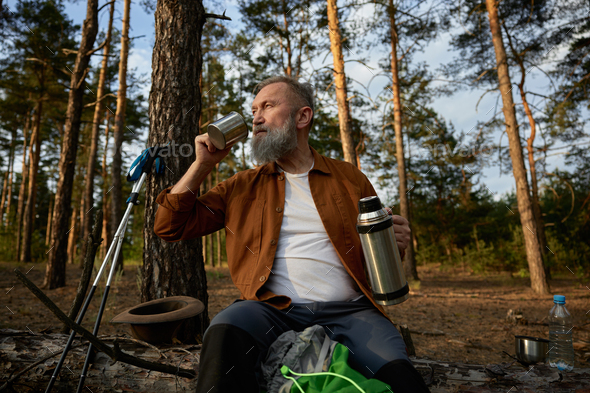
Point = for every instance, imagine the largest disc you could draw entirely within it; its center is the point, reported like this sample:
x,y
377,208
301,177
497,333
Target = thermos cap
x,y
369,204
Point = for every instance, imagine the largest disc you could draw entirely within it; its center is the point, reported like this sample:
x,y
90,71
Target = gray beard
x,y
277,142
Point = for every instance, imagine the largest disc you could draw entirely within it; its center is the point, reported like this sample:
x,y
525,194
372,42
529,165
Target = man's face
x,y
275,134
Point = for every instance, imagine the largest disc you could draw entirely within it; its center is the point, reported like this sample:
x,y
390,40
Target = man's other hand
x,y
401,227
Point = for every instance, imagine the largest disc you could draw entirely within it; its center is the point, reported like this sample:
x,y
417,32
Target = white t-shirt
x,y
306,266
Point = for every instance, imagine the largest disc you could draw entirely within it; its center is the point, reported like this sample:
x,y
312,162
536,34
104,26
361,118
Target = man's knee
x,y
249,315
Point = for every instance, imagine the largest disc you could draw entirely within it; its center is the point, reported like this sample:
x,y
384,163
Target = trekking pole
x,y
138,173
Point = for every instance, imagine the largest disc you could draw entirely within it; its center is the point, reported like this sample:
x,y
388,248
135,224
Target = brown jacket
x,y
250,207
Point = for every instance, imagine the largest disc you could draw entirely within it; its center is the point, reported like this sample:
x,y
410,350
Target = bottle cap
x,y
369,204
559,299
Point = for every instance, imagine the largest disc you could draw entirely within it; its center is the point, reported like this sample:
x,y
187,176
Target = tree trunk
x,y
171,269
4,192
529,227
34,156
210,236
49,215
340,84
117,187
86,227
10,178
218,232
404,202
105,190
22,190
55,276
72,237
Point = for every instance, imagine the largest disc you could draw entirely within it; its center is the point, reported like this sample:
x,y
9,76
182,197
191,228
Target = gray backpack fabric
x,y
308,351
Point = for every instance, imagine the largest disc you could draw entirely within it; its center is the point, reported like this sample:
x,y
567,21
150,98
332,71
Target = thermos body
x,y
227,131
382,259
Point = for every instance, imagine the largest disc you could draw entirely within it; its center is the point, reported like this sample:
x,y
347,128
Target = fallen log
x,y
21,349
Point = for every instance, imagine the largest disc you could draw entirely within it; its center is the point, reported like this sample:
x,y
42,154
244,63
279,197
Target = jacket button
x,y
281,177
279,209
273,242
262,278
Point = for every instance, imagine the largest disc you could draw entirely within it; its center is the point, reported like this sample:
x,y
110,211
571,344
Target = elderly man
x,y
292,248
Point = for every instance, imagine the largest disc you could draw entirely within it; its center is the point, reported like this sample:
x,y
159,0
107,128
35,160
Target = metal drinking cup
x,y
227,131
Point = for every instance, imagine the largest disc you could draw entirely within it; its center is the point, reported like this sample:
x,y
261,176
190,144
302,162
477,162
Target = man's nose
x,y
258,119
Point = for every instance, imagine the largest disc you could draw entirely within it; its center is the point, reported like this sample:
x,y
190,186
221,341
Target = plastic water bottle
x,y
561,349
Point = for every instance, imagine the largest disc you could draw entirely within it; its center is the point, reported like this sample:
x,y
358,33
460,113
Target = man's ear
x,y
303,117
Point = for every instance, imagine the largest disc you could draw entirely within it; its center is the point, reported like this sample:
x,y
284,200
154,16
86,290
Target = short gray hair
x,y
302,90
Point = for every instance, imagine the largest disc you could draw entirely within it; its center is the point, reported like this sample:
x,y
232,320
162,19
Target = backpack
x,y
310,362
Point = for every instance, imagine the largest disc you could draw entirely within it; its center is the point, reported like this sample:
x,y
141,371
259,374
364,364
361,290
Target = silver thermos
x,y
382,260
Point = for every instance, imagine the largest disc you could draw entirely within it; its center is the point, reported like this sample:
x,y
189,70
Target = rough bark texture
x,y
22,190
86,223
56,265
340,83
118,130
34,156
529,227
171,269
404,201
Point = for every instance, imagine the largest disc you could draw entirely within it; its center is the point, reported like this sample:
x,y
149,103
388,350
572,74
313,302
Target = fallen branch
x,y
115,352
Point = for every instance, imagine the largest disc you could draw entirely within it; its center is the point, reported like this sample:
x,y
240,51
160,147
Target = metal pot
x,y
531,350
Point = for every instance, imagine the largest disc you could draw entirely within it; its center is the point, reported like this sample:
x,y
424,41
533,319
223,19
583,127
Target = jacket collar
x,y
319,164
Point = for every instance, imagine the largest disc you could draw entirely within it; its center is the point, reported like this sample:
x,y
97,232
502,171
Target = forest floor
x,y
453,315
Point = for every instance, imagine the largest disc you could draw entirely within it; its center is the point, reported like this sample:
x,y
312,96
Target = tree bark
x,y
210,236
72,237
4,192
10,178
539,282
34,156
105,191
218,232
91,165
49,215
340,83
55,271
171,269
117,187
22,190
404,202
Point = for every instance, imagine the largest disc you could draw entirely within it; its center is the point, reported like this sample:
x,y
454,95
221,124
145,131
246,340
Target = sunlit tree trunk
x,y
34,156
4,192
539,282
72,237
49,215
10,178
171,269
22,190
340,83
86,221
105,190
118,130
55,273
404,202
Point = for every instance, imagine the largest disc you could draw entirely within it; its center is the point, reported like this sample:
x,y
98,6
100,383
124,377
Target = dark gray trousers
x,y
239,336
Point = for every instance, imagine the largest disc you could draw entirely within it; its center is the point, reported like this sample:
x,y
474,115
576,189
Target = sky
x,y
458,109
